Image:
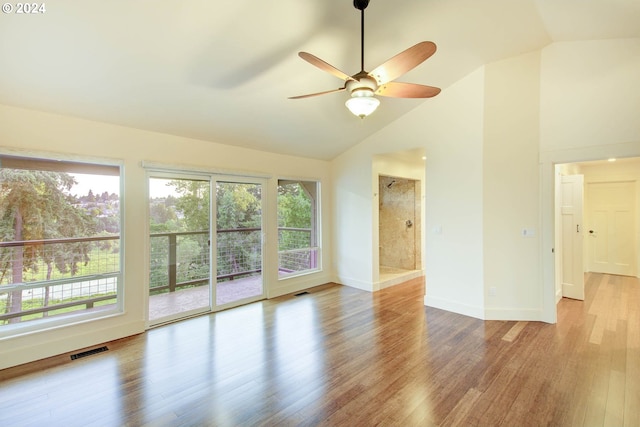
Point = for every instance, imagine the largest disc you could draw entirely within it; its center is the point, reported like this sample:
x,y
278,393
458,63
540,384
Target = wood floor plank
x,y
514,331
340,356
596,403
614,409
462,408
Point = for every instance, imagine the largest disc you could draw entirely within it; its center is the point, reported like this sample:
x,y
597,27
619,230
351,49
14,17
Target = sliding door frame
x,y
213,178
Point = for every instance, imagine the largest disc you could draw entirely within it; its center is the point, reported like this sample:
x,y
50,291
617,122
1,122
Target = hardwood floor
x,y
343,357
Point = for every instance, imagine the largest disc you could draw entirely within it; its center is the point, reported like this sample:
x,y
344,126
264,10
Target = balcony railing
x,y
181,259
297,250
178,260
58,276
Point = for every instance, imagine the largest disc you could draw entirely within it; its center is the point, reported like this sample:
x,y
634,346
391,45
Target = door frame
x,y
547,162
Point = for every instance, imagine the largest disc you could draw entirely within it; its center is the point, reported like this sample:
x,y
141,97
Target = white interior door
x,y
572,187
611,216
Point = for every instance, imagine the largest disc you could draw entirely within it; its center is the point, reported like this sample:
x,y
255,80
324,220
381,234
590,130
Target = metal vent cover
x,y
89,352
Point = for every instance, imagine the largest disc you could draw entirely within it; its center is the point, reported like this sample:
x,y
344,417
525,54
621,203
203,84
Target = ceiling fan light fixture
x,y
362,102
362,106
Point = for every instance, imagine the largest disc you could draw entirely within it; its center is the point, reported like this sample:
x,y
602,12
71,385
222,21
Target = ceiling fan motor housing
x,y
363,85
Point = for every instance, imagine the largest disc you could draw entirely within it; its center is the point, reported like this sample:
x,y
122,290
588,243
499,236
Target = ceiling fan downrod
x,y
361,5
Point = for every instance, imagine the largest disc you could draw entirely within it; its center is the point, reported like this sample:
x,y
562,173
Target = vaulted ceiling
x,y
222,70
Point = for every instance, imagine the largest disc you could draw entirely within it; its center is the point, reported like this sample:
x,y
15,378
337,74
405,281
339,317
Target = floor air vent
x,y
88,352
302,293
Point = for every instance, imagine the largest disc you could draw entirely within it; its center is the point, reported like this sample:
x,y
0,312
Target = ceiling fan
x,y
364,85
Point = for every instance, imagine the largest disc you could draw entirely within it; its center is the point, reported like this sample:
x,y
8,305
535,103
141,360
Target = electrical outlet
x,y
492,291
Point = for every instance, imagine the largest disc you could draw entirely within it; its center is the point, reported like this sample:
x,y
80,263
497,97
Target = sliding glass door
x,y
179,268
191,269
239,241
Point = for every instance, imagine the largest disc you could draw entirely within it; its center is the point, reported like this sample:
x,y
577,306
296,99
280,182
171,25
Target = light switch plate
x,y
528,232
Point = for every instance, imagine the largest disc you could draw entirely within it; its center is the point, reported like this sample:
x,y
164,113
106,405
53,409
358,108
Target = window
x,y
60,259
298,248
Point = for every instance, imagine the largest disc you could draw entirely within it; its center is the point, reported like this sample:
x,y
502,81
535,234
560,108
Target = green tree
x,y
238,206
35,205
193,203
187,212
294,206
163,218
294,211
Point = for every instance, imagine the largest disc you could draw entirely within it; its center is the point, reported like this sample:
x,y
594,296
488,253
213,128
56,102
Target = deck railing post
x,y
172,262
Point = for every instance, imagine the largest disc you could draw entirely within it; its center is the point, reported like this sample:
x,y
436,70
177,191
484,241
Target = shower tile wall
x,y
399,202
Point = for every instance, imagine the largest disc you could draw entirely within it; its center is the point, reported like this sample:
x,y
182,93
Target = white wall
x,y
589,94
45,133
449,129
352,259
511,189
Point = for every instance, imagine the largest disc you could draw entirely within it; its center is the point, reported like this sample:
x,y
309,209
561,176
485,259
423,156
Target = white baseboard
x,y
297,284
532,315
49,348
455,307
482,313
355,283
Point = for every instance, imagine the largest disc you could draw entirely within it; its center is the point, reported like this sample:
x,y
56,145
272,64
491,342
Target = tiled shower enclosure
x,y
399,222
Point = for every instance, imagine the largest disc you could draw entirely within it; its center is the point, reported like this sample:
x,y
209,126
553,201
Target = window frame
x,y
318,229
43,161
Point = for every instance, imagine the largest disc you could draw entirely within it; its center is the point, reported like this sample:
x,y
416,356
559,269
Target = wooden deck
x,y
189,299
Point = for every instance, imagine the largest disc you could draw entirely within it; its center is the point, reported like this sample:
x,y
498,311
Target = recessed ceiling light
x,y
612,159
424,157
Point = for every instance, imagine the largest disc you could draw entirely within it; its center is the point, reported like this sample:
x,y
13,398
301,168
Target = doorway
x,y
399,229
609,234
195,268
610,240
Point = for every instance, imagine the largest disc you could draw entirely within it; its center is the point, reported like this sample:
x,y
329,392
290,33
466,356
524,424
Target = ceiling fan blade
x,y
316,94
403,62
407,90
324,66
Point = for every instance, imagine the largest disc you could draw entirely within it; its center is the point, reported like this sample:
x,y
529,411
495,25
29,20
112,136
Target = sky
x,y
101,183
96,183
